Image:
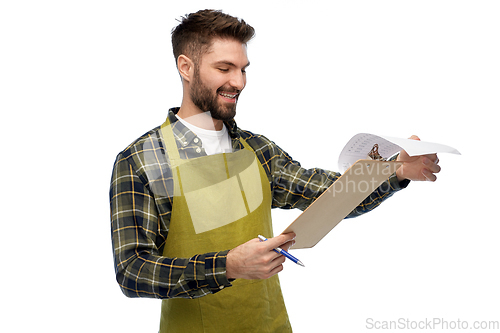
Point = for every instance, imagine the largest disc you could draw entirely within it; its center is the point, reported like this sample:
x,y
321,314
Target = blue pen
x,y
283,252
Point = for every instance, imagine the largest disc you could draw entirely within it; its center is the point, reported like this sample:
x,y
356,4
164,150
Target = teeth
x,y
227,95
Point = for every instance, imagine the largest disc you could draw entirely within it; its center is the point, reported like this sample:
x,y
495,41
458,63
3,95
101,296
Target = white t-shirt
x,y
214,142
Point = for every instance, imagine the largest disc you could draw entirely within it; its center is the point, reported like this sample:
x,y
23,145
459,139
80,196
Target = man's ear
x,y
185,67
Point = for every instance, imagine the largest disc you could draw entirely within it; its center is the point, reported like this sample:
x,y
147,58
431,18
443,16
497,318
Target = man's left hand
x,y
419,168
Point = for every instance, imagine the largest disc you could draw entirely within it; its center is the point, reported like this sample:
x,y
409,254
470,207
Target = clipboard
x,y
333,205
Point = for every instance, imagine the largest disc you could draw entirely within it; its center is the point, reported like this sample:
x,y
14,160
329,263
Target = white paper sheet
x,y
361,144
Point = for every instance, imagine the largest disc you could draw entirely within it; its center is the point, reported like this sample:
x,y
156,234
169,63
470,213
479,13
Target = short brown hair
x,y
195,33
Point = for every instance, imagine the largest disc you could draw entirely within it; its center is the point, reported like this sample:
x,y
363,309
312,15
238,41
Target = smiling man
x,y
214,82
189,198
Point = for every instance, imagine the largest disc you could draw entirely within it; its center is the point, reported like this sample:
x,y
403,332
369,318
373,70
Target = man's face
x,y
219,78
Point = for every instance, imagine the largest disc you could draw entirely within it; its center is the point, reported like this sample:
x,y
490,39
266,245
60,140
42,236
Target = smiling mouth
x,y
228,96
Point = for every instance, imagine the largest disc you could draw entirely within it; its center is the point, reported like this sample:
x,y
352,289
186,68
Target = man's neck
x,y
200,119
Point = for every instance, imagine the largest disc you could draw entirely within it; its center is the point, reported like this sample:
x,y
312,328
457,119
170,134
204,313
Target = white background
x,y
80,80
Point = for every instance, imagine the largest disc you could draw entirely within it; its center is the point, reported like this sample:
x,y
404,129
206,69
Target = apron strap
x,y
170,143
246,145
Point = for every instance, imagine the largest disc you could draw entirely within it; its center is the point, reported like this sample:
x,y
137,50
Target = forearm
x,y
141,270
160,277
297,187
383,192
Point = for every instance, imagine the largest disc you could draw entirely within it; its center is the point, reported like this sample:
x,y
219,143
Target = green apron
x,y
220,202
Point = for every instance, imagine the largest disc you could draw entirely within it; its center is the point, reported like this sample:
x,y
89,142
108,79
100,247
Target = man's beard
x,y
205,100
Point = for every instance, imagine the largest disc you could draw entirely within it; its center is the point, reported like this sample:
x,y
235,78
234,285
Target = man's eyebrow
x,y
229,63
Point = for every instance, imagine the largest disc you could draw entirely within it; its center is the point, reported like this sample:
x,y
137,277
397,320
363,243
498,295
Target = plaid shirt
x,y
141,205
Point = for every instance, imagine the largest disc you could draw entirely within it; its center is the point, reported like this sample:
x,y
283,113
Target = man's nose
x,y
238,80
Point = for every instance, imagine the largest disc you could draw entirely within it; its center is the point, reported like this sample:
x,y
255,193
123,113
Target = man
x,y
189,198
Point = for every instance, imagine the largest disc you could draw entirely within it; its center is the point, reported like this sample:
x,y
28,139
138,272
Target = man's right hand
x,y
257,260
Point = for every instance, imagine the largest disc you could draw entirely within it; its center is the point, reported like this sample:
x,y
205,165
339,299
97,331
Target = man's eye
x,y
223,69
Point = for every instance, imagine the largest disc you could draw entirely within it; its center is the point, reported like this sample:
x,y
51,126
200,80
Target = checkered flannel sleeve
x,y
296,187
138,236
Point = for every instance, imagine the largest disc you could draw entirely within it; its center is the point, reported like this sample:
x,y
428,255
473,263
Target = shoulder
x,y
145,142
271,156
142,151
144,158
258,142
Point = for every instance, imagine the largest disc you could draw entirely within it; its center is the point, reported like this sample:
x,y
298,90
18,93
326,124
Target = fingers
x,y
288,245
431,167
254,260
278,241
272,263
432,157
431,164
257,260
420,168
277,266
429,176
276,260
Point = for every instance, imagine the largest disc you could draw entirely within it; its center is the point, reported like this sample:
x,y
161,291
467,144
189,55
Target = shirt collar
x,y
183,131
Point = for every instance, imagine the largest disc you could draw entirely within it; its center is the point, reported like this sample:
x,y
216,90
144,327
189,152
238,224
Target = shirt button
x,y
221,287
196,140
184,143
198,150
